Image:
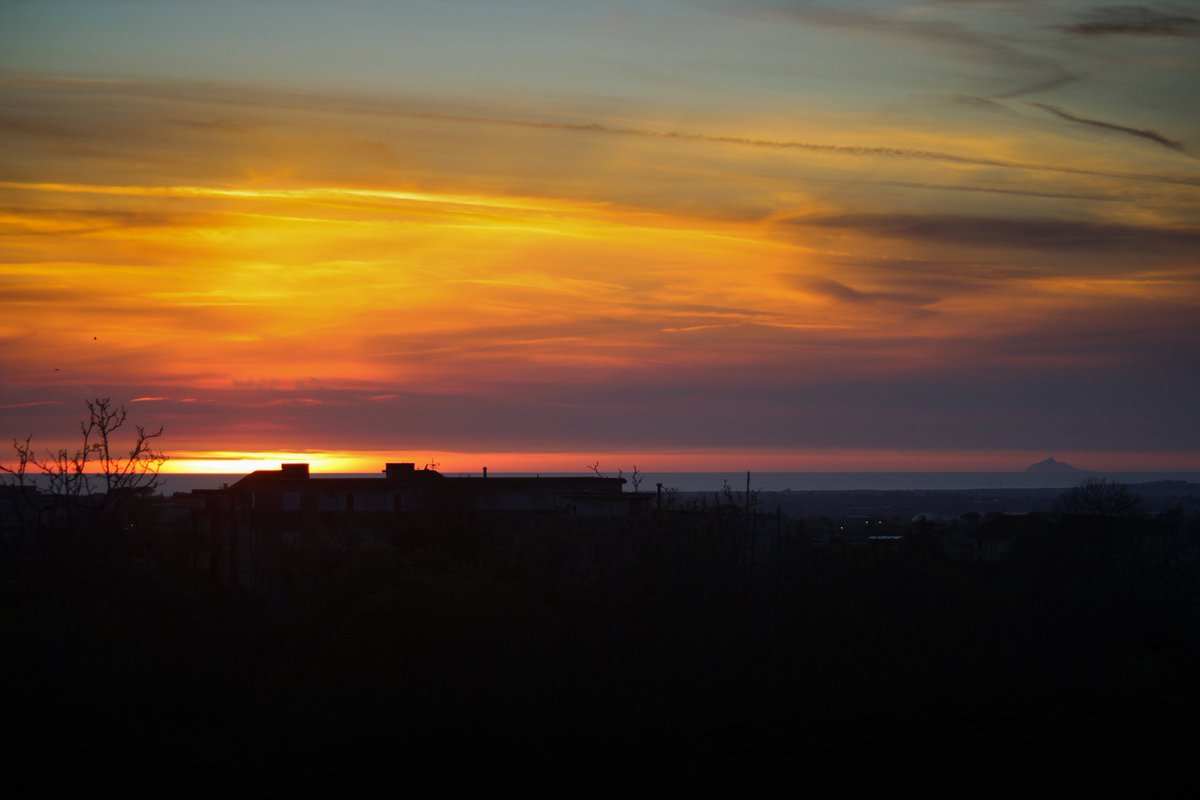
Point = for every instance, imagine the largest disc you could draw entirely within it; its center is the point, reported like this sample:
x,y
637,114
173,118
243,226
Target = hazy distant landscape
x,y
796,481
892,495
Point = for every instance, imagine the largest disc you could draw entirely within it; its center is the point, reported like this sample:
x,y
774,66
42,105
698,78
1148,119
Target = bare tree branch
x,y
95,478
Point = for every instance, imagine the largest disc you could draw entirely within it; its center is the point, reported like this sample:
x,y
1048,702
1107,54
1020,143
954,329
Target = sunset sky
x,y
686,234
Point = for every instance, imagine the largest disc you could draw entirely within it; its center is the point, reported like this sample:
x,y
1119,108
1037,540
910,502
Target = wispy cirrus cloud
x,y
31,404
1168,21
338,110
1018,192
1029,72
842,293
1040,86
1000,232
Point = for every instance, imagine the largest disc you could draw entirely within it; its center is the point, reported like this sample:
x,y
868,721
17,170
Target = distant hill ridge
x,y
1052,465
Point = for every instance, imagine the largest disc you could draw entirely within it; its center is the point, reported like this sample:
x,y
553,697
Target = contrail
x,y
1141,133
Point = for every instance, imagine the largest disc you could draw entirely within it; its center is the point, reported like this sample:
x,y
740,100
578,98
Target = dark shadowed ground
x,y
682,651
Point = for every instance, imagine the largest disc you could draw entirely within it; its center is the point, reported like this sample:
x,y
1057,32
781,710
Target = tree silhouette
x,y
1099,497
97,476
636,477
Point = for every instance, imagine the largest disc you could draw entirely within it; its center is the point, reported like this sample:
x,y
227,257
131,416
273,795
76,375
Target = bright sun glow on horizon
x,y
227,463
232,463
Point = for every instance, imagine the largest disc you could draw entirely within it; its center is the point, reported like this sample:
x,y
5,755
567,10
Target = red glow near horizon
x,y
735,461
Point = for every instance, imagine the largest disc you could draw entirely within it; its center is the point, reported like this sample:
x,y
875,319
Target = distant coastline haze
x,y
1053,465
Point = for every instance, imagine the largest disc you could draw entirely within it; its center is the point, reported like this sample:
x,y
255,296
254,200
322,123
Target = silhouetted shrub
x,y
1099,497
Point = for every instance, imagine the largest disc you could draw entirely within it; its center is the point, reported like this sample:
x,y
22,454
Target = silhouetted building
x,y
236,530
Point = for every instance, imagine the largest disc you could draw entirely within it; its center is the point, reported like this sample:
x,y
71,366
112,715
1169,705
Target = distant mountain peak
x,y
1052,465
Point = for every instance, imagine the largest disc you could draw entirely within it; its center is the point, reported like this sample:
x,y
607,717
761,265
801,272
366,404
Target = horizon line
x,y
196,462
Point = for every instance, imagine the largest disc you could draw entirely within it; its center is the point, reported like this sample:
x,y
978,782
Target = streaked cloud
x,y
1153,136
918,25
988,232
783,228
1169,20
840,292
348,109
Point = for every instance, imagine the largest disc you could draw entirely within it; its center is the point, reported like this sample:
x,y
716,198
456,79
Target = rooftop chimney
x,y
294,471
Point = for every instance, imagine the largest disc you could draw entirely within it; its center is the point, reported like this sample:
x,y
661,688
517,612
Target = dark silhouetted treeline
x,y
684,650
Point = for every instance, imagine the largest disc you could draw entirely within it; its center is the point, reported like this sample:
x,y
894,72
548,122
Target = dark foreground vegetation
x,y
683,649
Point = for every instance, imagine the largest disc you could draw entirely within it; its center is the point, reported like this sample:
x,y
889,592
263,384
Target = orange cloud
x,y
300,267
